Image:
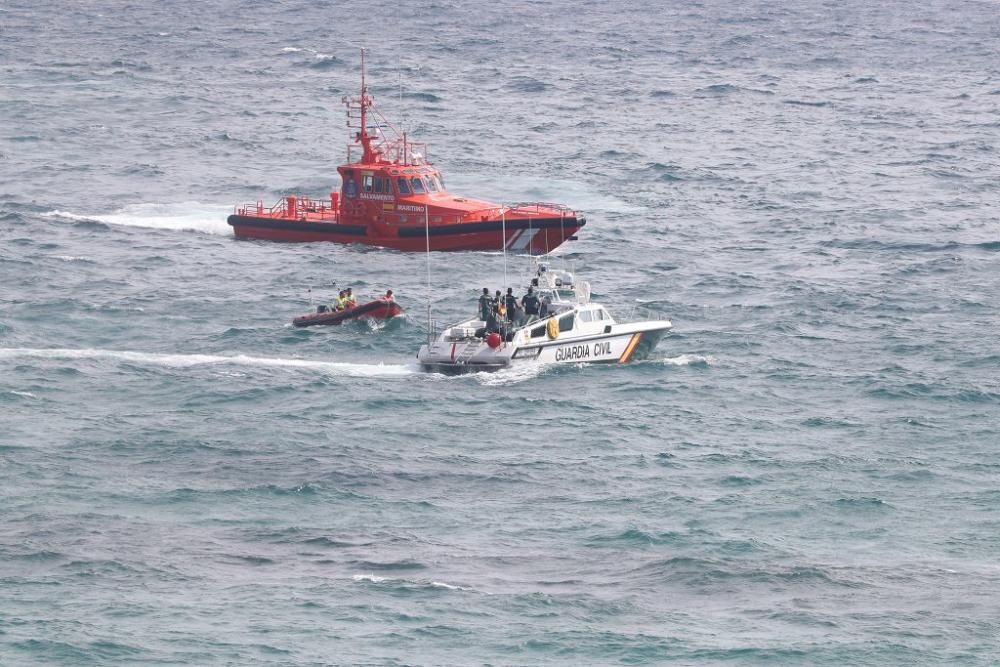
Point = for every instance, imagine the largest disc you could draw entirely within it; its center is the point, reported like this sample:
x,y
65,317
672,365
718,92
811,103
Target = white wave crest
x,y
25,394
689,360
184,216
189,360
451,587
375,579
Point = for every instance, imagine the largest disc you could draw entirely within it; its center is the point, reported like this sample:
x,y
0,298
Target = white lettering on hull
x,y
603,350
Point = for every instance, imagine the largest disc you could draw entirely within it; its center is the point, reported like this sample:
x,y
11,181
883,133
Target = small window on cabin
x,y
538,332
418,185
431,184
587,316
378,185
387,185
369,183
566,322
440,181
403,185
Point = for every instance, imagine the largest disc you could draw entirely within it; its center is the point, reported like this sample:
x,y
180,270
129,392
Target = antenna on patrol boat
x,y
503,241
427,236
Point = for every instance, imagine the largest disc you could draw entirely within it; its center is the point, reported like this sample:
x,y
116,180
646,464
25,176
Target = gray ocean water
x,y
805,473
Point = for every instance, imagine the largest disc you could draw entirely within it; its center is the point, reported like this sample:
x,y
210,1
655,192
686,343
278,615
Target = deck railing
x,y
303,205
519,209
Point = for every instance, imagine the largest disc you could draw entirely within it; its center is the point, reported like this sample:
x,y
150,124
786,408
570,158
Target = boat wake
x,y
186,216
192,360
526,370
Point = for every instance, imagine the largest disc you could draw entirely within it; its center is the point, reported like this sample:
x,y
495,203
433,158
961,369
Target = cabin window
x,y
417,184
368,183
566,322
378,185
440,180
538,332
587,315
403,185
431,185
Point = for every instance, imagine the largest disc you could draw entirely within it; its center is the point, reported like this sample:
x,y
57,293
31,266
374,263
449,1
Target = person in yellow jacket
x,y
341,303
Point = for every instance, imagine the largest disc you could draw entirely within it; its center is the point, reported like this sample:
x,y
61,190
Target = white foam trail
x,y
185,216
368,577
518,372
26,394
189,360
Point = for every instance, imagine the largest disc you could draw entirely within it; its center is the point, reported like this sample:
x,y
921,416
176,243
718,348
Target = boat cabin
x,y
390,193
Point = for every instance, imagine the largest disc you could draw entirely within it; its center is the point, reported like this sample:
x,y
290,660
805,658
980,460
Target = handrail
x,y
640,313
529,208
304,205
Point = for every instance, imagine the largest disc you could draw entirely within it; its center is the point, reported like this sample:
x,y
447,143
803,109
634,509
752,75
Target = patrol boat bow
x,y
392,196
573,330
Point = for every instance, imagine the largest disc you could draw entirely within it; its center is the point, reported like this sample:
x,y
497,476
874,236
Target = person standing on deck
x,y
485,305
510,301
530,304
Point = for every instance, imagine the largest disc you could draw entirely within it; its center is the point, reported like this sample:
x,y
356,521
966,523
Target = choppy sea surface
x,y
804,473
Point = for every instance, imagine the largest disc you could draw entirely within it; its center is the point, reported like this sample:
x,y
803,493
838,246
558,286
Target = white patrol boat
x,y
569,329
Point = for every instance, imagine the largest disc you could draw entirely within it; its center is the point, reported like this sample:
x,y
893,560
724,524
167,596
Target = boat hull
x,y
630,343
377,309
535,236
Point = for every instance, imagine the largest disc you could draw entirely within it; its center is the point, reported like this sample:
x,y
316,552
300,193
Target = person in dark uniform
x,y
510,301
530,304
485,305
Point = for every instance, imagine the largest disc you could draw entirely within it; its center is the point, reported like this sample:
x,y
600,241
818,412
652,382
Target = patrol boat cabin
x,y
568,329
391,195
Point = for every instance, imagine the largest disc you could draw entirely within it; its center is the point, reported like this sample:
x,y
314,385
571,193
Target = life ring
x,y
553,328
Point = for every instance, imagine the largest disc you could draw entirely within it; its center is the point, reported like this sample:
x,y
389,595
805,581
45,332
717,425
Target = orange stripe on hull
x,y
630,348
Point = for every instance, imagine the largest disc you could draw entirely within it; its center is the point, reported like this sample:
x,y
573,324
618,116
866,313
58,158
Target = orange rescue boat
x,y
392,196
